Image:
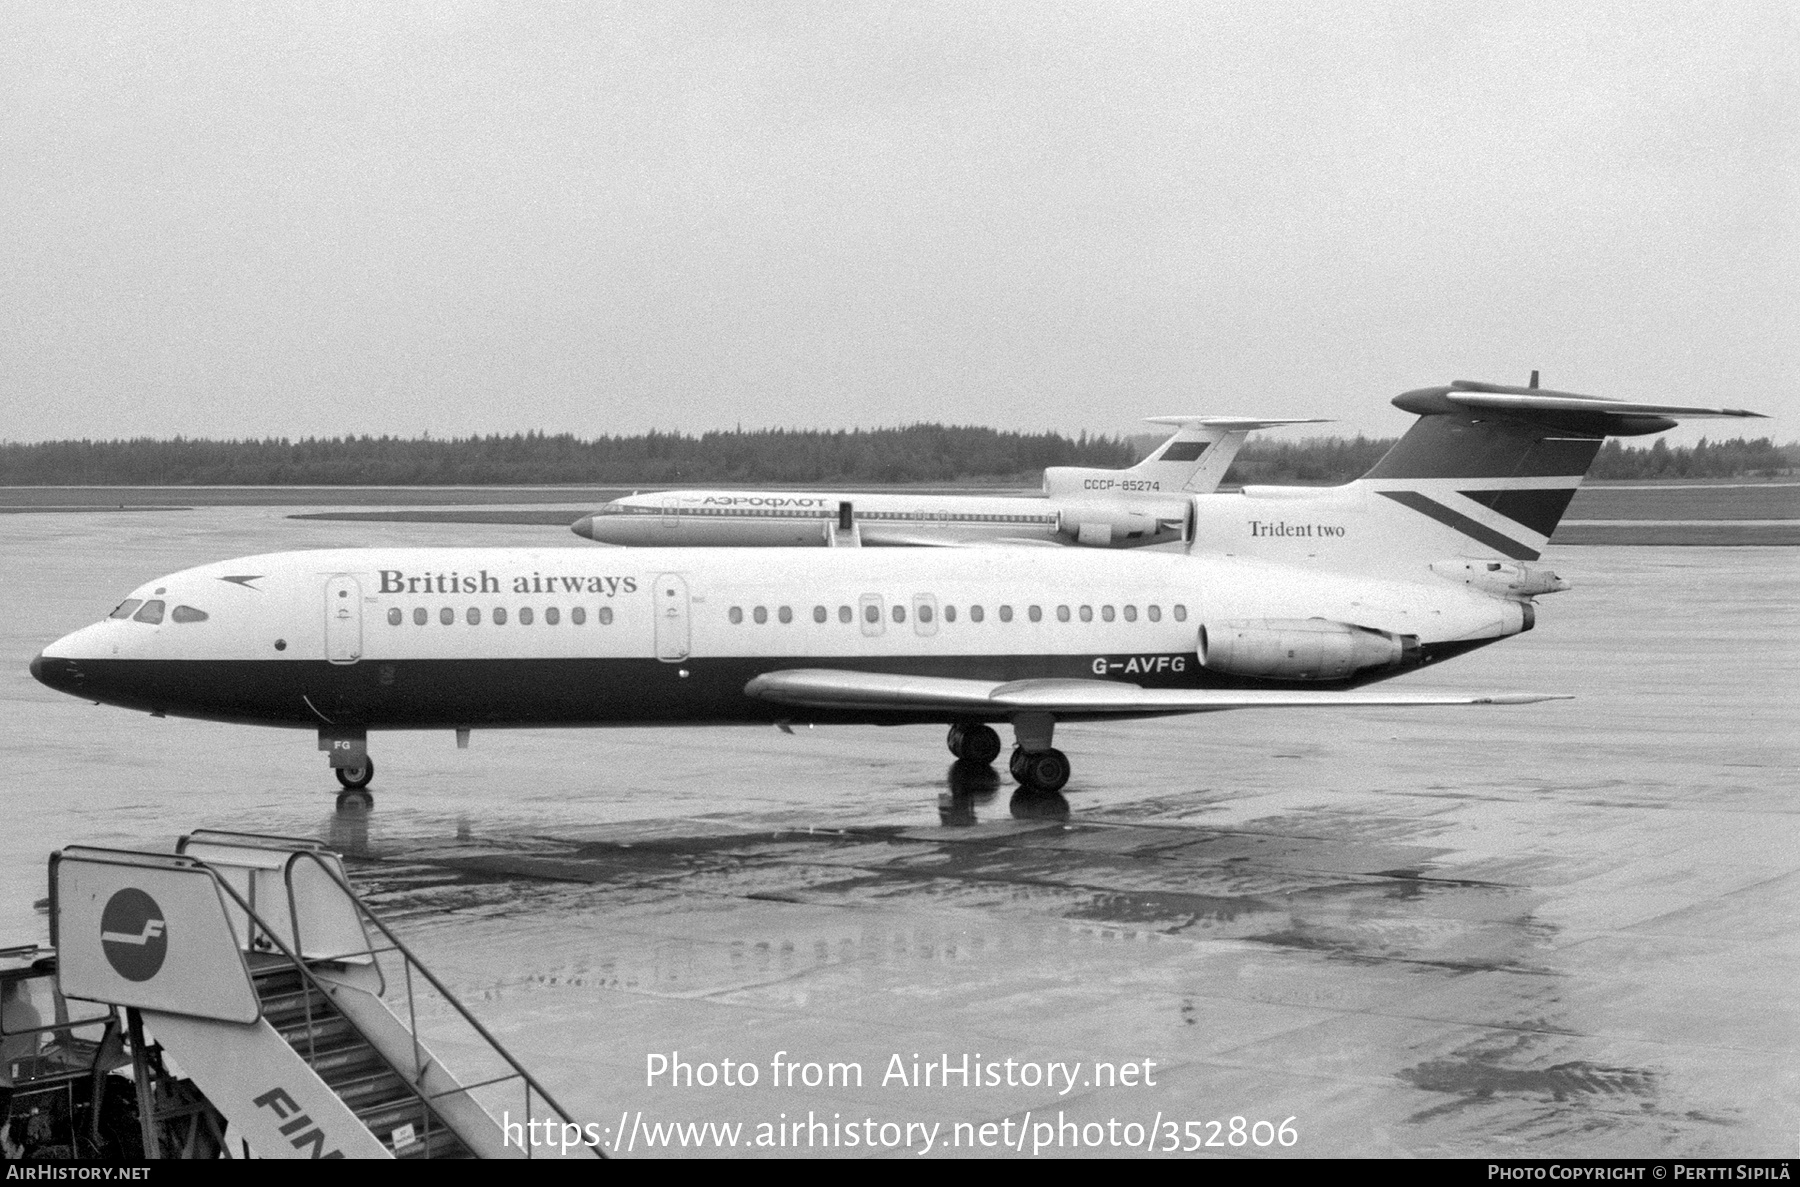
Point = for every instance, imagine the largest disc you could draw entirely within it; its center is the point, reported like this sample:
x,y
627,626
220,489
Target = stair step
x,y
442,1143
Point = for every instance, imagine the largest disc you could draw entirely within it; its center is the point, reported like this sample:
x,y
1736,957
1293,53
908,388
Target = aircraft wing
x,y
834,688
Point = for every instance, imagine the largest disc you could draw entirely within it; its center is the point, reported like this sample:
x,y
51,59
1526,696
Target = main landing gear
x,y
356,778
978,744
1035,763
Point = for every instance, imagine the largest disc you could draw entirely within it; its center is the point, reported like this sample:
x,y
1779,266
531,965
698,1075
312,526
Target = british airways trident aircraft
x,y
1283,598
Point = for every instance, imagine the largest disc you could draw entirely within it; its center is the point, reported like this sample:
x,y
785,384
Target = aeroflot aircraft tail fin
x,y
1196,457
1495,467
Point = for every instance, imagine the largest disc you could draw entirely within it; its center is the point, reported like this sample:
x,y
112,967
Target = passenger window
x,y
1180,613
844,614
420,615
899,613
1106,613
605,616
1035,613
819,614
785,614
975,614
761,614
552,616
189,614
125,608
924,609
1131,614
151,613
446,616
1155,613
949,613
1006,614
499,615
395,618
474,616
1062,614
872,613
525,615
578,615
1087,614
736,614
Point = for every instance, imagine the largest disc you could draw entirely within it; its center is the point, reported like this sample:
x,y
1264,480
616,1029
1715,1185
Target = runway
x,y
1554,930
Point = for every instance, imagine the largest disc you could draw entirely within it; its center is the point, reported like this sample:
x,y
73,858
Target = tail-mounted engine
x,y
1507,579
1301,648
1124,524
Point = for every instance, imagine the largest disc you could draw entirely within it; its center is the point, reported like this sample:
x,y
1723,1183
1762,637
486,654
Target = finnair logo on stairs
x,y
134,935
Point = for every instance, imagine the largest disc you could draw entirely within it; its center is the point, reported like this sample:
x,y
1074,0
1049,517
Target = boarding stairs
x,y
255,966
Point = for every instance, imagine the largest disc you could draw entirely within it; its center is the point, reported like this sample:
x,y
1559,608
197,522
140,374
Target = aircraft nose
x,y
583,526
64,675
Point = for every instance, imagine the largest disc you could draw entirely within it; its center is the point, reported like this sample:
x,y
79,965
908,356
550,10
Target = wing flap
x,y
831,688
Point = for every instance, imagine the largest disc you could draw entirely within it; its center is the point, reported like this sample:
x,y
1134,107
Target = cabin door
x,y
343,620
671,596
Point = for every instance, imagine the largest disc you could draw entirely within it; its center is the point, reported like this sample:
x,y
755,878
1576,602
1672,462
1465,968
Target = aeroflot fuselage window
x,y
151,612
125,608
187,614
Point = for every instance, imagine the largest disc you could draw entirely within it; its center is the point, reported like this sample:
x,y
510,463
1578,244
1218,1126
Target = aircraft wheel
x,y
1017,764
980,745
955,740
356,778
1046,770
355,800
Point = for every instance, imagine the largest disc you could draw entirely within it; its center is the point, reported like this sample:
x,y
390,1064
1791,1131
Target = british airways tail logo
x,y
134,935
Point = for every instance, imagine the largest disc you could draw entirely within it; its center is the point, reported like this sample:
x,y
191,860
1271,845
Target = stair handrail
x,y
413,962
306,974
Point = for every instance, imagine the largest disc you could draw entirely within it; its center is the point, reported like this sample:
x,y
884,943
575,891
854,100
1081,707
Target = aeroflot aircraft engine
x,y
1122,525
1301,648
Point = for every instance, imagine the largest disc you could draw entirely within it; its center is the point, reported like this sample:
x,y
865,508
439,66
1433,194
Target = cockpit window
x,y
151,613
187,614
126,607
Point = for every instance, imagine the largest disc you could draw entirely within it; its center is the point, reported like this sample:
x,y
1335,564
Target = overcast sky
x,y
235,219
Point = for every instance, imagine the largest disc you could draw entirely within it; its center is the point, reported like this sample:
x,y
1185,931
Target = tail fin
x,y
1196,457
1497,466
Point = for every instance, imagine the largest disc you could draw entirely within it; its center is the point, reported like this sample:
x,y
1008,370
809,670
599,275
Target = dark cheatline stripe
x,y
1539,510
1504,545
1183,451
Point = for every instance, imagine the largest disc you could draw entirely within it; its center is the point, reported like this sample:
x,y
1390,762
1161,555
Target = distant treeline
x,y
916,453
1330,460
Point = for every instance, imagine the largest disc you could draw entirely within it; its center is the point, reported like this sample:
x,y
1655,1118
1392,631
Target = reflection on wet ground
x,y
1556,930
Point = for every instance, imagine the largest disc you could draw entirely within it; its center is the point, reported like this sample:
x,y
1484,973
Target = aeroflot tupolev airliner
x,y
1283,599
1146,504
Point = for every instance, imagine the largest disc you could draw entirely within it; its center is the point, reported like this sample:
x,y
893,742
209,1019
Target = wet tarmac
x,y
1562,930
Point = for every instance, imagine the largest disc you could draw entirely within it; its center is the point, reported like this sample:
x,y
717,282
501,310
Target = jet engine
x,y
1508,579
1122,524
1301,648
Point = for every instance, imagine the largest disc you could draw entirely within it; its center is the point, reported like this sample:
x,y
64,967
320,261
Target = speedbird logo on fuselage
x,y
399,581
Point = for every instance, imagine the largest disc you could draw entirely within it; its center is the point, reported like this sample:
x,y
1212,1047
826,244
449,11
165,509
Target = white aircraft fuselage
x,y
467,637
